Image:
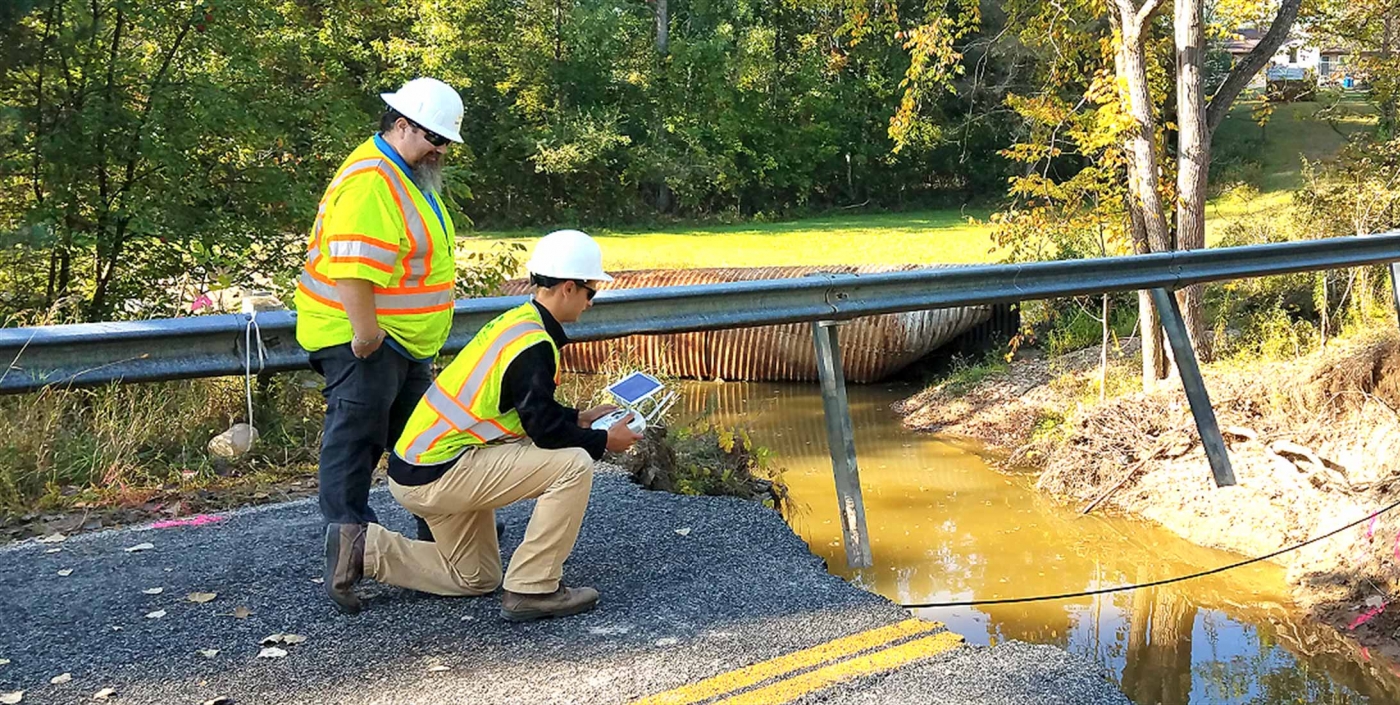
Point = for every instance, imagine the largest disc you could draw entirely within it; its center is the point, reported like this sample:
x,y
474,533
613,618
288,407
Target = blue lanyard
x,y
393,156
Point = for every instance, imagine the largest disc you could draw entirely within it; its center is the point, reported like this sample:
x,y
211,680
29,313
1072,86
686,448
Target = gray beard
x,y
428,176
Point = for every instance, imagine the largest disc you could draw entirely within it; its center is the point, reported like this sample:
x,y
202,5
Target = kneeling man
x,y
488,433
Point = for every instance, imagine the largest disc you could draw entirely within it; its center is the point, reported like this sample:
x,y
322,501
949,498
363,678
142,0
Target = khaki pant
x,y
459,506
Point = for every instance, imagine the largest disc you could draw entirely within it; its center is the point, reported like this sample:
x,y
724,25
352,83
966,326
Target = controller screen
x,y
634,387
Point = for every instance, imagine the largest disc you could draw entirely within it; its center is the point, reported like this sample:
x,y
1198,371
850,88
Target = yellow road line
x,y
887,660
796,661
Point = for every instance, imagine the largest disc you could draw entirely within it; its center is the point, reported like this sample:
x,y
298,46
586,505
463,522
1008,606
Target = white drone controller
x,y
630,392
638,423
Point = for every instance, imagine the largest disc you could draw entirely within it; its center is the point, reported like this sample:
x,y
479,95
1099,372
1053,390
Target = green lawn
x,y
1293,133
948,236
928,237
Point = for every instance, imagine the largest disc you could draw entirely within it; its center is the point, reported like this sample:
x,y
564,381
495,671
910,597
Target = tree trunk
x,y
1144,170
1103,354
663,48
1146,215
663,29
1154,358
1387,106
1193,158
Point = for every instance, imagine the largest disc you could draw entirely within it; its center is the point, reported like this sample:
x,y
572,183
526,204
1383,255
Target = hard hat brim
x,y
392,100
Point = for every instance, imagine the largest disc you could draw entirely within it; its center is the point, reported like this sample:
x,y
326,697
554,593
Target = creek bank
x,y
1315,445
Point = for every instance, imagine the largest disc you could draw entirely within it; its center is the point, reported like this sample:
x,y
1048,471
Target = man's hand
x,y
363,348
586,418
620,438
357,295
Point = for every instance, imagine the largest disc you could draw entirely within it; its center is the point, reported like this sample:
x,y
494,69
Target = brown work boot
x,y
517,607
345,564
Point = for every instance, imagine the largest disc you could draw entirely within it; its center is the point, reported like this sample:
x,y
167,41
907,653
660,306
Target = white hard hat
x,y
430,103
568,254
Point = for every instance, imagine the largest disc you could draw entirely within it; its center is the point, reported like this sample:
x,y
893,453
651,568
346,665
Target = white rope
x,y
248,335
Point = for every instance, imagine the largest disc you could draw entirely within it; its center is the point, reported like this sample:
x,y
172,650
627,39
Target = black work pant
x,y
368,402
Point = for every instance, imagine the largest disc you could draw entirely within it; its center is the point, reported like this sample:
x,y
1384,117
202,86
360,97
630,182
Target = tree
x,y
1196,120
1367,30
1131,23
149,142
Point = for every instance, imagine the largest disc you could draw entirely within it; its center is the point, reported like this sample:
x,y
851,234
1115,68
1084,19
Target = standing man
x,y
374,303
489,433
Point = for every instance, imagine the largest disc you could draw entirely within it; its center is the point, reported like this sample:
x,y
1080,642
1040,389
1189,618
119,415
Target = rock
x,y
235,442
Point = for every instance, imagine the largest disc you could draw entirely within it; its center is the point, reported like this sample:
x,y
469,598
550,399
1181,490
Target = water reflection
x,y
945,527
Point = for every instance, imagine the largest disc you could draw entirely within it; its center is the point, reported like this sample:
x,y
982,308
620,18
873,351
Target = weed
x,y
966,374
59,447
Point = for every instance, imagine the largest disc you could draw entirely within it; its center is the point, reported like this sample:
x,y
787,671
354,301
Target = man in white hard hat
x,y
374,301
489,433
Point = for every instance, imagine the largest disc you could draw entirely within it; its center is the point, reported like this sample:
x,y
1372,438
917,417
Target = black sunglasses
x,y
584,285
433,138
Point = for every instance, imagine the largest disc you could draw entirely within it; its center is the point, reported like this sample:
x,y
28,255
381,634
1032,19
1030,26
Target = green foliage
x,y
486,270
136,438
966,374
1069,200
148,149
1291,315
1077,327
1355,192
715,460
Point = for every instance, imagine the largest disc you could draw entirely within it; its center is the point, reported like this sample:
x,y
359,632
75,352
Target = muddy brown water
x,y
944,526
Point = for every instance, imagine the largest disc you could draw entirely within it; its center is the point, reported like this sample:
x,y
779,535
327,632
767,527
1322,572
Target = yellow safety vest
x,y
375,224
463,406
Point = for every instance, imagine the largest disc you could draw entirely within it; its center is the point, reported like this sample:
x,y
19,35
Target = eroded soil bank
x,y
1315,445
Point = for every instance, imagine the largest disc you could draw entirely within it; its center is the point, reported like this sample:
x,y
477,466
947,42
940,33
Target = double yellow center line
x,y
816,668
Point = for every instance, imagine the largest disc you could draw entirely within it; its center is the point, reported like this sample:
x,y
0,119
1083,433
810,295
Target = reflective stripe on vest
x,y
453,411
420,251
390,301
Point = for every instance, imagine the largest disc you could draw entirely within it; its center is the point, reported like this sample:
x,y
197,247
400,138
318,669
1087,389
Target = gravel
x,y
1010,672
738,588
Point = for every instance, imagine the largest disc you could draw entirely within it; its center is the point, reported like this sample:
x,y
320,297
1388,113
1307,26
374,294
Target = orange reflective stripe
x,y
301,286
365,239
427,288
390,310
410,301
385,268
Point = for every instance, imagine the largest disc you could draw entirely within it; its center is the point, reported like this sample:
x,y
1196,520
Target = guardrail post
x,y
1196,394
840,436
1395,287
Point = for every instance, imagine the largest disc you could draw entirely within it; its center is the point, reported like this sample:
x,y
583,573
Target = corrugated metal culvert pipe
x,y
871,348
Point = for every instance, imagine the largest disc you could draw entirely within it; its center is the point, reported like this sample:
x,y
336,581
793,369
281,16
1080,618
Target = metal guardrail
x,y
210,346
214,345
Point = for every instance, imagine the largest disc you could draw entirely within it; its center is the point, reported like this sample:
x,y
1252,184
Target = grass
x,y
929,237
966,375
1270,158
127,444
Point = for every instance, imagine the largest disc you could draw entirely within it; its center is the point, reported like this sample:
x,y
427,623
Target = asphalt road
x,y
677,607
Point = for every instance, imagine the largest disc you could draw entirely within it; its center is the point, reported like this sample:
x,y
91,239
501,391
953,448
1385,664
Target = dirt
x,y
1004,409
1314,443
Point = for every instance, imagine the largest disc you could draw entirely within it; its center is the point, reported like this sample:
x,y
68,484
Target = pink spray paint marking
x,y
1365,617
197,520
1371,527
